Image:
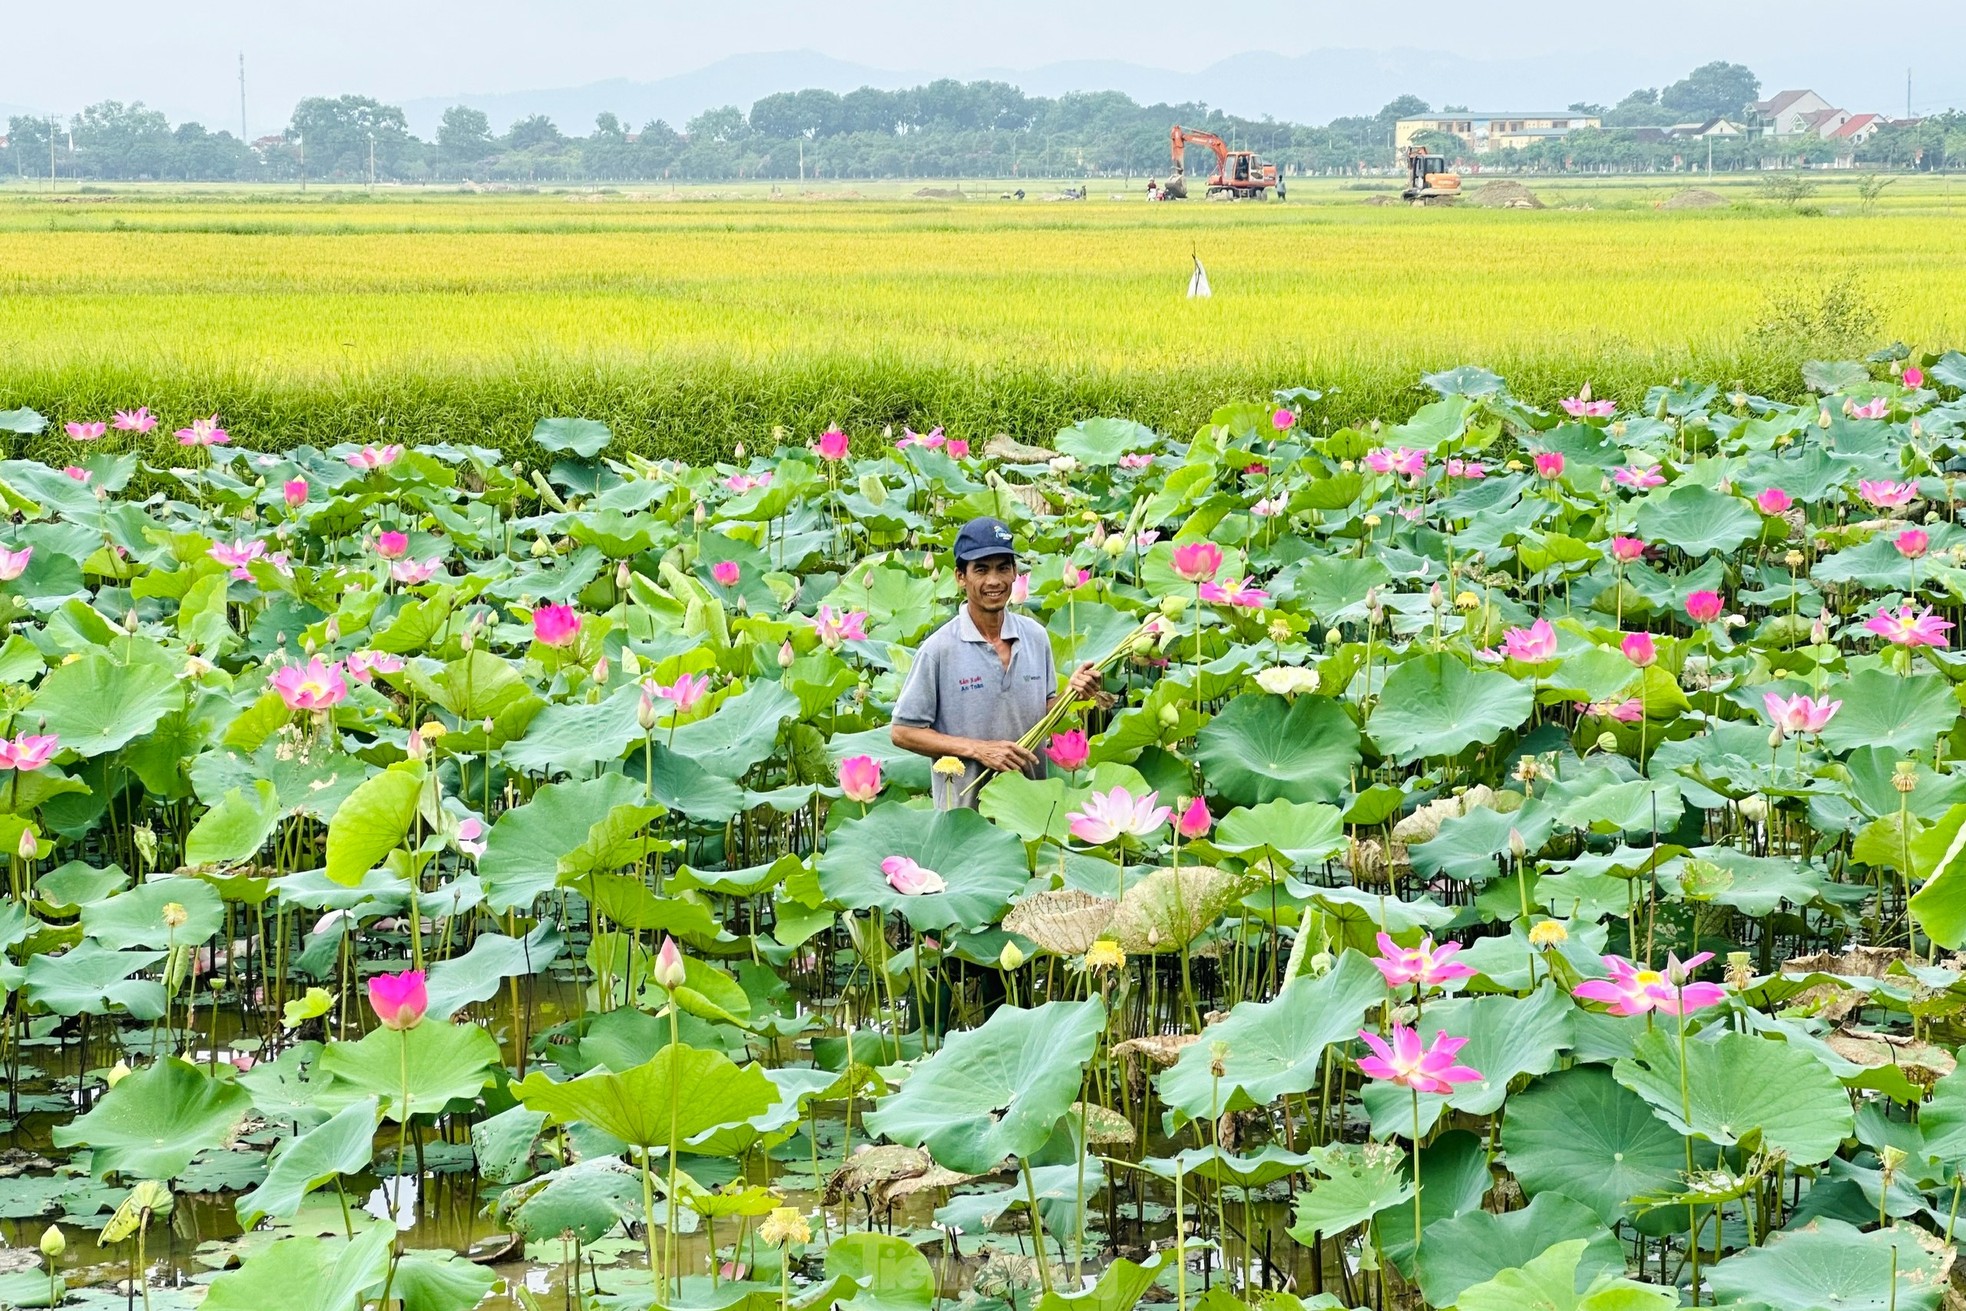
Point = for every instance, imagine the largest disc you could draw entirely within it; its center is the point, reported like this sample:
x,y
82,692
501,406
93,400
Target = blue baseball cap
x,y
984,537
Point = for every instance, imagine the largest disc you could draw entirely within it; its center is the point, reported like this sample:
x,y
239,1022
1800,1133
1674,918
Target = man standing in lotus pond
x,y
984,679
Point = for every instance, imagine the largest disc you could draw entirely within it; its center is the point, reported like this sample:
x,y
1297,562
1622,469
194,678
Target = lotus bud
x,y
622,573
486,725
1010,958
467,640
1097,538
1170,716
669,972
117,1073
1518,847
1332,637
1153,937
785,654
175,915
738,451
1822,417
645,713
1174,604
1607,741
1933,516
928,562
53,1244
1435,597
1819,631
414,747
1753,808
601,670
540,548
1114,546
700,515
30,848
1775,737
1659,411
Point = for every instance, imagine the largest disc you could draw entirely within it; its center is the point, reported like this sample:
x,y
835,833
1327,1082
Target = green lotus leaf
x,y
236,828
151,1124
97,705
1549,1282
1262,747
890,1273
1829,1263
1697,520
584,437
531,847
1454,1177
742,732
1890,711
1291,832
478,974
1744,1090
982,865
1434,705
1939,856
373,821
1471,1249
90,979
997,1091
1357,1183
136,918
1275,1047
1101,442
305,1274
345,1144
676,1094
1579,1133
443,1062
441,1281
587,1200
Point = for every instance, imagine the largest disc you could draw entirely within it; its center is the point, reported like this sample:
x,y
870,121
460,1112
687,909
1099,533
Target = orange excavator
x,y
1239,174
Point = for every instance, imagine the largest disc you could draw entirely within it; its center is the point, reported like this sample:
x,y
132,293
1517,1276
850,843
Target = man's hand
x,y
1004,757
1084,686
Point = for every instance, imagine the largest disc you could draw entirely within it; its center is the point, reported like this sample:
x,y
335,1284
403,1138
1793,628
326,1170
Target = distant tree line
x,y
943,130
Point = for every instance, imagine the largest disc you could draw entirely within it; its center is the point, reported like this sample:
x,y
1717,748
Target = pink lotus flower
x,y
685,693
14,563
78,473
470,836
1268,507
1531,645
1146,538
930,439
1628,711
555,625
832,445
1639,649
1069,751
1020,589
1073,576
1799,714
1136,460
726,573
1400,460
392,545
138,420
1427,965
1886,495
741,483
1911,543
1871,409
1197,561
28,752
312,686
835,627
1406,1063
294,492
85,432
910,879
1634,991
1703,607
412,572
375,457
1549,464
1627,549
1117,814
362,664
203,432
237,555
400,1001
1772,500
1466,469
1235,592
1633,476
1282,420
1913,376
670,971
1194,821
860,778
1908,630
958,449
1582,406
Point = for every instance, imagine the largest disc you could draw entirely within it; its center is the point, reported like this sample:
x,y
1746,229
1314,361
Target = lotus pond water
x,y
1524,865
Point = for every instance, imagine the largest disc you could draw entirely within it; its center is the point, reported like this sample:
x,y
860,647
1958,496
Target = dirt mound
x,y
938,193
1694,198
1382,200
1504,195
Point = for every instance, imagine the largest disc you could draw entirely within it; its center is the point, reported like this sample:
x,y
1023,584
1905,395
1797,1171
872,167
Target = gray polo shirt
x,y
960,687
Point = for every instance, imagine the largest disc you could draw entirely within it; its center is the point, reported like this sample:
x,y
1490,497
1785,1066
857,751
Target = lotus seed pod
x,y
1905,782
175,915
1607,741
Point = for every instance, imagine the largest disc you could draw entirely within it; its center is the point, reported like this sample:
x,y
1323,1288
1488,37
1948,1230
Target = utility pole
x,y
244,137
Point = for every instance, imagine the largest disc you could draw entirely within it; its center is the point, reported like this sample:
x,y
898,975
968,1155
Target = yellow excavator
x,y
1428,181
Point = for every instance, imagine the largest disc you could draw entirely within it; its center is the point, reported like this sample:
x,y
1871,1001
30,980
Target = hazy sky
x,y
182,57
